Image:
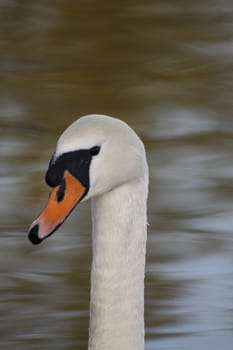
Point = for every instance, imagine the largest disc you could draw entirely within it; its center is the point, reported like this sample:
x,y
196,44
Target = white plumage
x,y
118,191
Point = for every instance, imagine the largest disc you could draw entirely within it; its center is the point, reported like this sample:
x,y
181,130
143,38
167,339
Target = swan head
x,y
93,156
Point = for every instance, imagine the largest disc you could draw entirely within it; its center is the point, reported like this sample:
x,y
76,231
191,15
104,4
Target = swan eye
x,y
95,150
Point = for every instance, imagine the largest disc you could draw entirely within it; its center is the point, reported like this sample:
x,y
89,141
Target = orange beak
x,y
63,198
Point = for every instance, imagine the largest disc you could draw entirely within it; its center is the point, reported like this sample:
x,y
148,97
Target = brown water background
x,y
165,67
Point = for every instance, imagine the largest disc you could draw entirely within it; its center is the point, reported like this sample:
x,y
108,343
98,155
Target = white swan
x,y
101,158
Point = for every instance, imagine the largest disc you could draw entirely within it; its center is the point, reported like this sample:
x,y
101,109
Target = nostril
x,y
33,235
61,191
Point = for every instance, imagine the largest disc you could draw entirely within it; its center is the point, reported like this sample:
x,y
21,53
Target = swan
x,y
101,158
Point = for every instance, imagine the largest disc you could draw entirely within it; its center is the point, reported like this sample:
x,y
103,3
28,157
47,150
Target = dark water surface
x,y
166,68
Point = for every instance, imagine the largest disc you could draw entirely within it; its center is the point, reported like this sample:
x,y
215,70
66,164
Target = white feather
x,y
118,192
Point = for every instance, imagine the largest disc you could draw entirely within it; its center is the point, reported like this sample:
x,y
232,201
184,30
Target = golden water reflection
x,y
166,68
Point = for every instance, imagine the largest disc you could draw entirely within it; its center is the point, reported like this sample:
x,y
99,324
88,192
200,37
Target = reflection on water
x,y
166,68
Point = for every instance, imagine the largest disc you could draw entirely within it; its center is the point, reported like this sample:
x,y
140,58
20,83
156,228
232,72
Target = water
x,y
165,67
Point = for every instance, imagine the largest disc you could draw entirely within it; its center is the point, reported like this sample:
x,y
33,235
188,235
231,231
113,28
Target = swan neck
x,y
118,268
